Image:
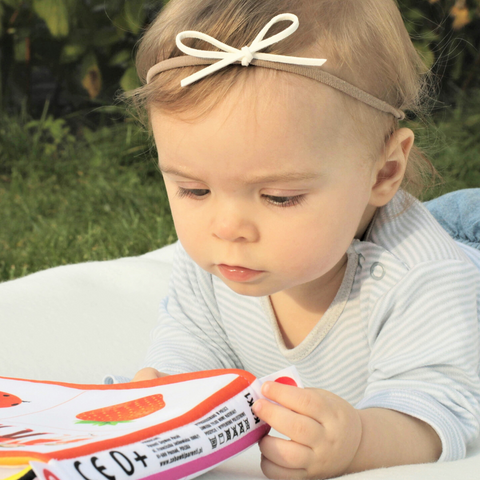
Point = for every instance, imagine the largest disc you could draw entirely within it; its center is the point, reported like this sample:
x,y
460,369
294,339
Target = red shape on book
x,y
287,381
49,475
124,412
9,400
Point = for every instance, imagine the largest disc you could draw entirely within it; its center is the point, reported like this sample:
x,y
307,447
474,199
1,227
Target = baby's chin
x,y
257,288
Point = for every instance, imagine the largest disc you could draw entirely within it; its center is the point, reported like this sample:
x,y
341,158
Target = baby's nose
x,y
234,226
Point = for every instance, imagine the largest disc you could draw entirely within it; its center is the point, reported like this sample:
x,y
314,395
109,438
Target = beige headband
x,y
307,67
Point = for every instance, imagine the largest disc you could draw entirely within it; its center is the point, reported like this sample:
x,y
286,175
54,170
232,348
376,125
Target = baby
x,y
277,129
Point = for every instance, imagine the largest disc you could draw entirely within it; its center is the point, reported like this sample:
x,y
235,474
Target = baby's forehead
x,y
314,105
262,95
264,118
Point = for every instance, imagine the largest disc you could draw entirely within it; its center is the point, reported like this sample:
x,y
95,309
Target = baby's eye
x,y
285,201
192,192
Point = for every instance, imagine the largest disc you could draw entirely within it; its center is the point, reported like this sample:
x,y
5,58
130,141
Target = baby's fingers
x,y
299,428
306,401
147,374
272,470
285,453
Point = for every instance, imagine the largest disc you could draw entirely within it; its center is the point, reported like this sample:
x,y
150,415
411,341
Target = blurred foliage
x,y
74,53
451,141
66,198
78,53
447,35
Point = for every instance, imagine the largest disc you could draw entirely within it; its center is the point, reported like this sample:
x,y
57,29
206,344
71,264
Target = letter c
x,y
77,468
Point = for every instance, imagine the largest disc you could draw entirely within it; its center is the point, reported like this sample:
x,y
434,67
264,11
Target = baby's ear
x,y
390,173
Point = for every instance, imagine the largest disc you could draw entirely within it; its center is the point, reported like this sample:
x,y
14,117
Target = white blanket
x,y
78,323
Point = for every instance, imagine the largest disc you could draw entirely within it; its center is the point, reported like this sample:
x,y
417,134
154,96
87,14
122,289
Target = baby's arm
x,y
393,438
331,438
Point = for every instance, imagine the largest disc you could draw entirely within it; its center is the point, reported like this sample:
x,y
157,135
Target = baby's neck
x,y
367,218
298,310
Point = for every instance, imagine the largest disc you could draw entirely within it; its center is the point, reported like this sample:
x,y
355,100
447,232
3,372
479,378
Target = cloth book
x,y
175,427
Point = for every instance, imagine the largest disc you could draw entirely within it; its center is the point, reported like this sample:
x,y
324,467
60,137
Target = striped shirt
x,y
402,332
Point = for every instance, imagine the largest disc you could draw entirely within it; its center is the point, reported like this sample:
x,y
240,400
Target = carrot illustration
x,y
123,412
9,400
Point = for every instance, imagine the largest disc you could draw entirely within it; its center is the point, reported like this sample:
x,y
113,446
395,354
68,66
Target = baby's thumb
x,y
148,374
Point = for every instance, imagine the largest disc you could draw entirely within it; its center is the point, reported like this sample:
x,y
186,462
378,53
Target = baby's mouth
x,y
238,273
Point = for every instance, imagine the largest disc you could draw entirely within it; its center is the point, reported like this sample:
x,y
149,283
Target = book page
x,y
172,428
47,420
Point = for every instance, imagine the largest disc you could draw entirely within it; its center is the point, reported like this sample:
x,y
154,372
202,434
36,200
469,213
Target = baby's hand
x,y
325,432
148,374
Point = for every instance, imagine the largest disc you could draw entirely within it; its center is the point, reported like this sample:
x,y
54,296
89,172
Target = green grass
x,y
98,195
66,199
452,142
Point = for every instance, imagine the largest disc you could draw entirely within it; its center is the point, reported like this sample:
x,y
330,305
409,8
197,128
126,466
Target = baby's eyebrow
x,y
282,177
175,171
271,178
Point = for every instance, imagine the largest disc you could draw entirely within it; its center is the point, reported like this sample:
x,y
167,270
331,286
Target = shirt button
x,y
377,271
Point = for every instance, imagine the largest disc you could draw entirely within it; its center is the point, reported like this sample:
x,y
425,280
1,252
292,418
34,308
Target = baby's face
x,y
268,190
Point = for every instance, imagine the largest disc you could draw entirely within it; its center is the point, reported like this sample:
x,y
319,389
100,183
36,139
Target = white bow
x,y
246,54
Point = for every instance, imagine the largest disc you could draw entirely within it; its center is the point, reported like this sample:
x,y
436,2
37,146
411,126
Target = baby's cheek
x,y
187,224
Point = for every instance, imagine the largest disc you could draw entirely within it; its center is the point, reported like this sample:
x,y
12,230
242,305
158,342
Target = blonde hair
x,y
365,42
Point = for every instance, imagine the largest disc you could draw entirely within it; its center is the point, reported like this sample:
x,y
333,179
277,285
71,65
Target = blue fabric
x,y
459,214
